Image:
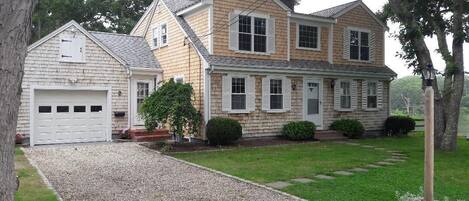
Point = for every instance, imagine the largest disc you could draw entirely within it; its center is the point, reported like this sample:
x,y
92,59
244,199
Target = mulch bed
x,y
202,146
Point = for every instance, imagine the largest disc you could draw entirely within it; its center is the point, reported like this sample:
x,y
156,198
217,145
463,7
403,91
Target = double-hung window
x,y
276,94
160,36
372,95
308,37
155,37
143,91
359,45
164,34
252,34
345,95
238,93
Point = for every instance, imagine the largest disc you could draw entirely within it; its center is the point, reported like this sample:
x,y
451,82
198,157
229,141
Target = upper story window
x,y
164,34
155,37
254,33
308,37
359,45
160,36
72,49
238,93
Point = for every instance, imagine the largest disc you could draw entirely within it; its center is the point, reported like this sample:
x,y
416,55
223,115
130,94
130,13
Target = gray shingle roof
x,y
134,50
334,10
178,5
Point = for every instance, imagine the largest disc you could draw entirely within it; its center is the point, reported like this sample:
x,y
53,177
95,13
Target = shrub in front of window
x,y
349,127
223,131
399,125
299,130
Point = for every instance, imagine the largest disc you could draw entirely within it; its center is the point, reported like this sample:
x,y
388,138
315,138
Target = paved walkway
x,y
128,171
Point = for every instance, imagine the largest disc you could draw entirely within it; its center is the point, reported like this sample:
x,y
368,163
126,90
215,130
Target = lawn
x,y
32,187
286,162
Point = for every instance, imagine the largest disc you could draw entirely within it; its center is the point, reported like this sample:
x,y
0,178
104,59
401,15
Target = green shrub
x,y
299,130
222,131
349,127
399,125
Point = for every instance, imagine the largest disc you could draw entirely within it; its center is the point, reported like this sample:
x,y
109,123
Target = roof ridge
x,y
116,34
345,5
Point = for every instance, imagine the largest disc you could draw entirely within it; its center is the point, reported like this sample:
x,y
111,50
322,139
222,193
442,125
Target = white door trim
x,y
321,99
33,89
134,96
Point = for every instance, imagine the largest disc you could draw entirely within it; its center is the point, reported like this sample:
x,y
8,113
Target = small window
x,y
345,97
96,108
308,37
155,37
179,79
62,109
372,97
276,94
143,91
79,109
164,34
238,93
359,45
45,109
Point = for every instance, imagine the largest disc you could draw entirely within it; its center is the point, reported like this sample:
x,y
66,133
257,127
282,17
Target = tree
x,y
95,15
15,31
440,18
406,94
171,104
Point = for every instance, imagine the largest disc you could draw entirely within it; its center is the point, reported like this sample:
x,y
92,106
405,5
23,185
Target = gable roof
x,y
134,50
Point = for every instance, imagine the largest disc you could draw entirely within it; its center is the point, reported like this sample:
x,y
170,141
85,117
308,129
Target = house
x,y
263,64
256,61
82,86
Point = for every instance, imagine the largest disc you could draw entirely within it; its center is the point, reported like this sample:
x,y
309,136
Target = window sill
x,y
239,112
372,109
250,52
361,61
309,49
345,110
276,111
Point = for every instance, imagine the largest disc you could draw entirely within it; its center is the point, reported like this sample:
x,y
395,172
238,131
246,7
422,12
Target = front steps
x,y
142,135
329,135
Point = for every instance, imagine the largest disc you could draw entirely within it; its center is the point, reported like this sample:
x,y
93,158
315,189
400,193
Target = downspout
x,y
129,99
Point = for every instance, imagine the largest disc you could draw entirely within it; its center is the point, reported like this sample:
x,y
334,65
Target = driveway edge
x,y
226,175
41,174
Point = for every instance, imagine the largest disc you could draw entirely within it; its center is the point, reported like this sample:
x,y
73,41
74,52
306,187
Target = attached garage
x,y
70,116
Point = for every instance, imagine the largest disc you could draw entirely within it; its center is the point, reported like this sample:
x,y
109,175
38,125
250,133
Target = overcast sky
x,y
392,45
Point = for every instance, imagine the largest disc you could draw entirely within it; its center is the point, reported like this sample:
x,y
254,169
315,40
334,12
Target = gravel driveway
x,y
128,171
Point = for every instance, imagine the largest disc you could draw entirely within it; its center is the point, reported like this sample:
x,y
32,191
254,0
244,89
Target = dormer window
x,y
253,33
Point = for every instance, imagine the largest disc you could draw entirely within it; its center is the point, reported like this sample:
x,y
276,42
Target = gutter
x,y
194,8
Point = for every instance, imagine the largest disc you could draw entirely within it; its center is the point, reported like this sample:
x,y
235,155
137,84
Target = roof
x,y
331,12
178,5
318,67
134,50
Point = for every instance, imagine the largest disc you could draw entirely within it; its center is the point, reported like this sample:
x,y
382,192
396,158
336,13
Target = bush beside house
x,y
349,127
299,130
223,131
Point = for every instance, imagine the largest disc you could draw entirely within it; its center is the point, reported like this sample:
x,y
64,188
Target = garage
x,y
70,116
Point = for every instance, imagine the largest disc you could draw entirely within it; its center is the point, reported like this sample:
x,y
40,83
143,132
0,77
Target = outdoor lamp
x,y
428,75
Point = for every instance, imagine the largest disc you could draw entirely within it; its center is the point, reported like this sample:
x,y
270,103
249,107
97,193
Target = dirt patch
x,y
202,146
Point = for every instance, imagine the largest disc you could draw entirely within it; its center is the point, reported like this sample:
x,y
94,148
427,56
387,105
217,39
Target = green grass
x,y
280,163
285,162
32,187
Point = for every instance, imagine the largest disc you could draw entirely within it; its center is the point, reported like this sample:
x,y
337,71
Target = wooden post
x,y
429,143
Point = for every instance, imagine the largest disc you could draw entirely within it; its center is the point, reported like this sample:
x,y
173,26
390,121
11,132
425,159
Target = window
x,y
238,93
164,34
96,108
45,109
308,37
62,109
155,37
372,97
79,109
72,49
252,34
359,45
276,94
142,93
345,97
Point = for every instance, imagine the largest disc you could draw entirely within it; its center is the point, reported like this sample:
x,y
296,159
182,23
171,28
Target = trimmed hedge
x,y
399,125
299,130
223,131
349,127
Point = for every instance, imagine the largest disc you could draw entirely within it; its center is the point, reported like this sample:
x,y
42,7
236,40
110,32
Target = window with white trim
x,y
164,34
345,95
372,95
276,94
308,37
155,37
238,93
359,45
143,91
252,34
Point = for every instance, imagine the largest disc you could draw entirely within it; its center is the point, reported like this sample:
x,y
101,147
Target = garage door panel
x,y
70,116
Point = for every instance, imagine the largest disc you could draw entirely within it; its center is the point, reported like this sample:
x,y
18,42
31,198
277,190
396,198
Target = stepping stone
x,y
359,170
374,166
352,143
303,180
394,160
380,149
384,163
324,177
397,154
394,151
279,184
400,157
343,173
368,146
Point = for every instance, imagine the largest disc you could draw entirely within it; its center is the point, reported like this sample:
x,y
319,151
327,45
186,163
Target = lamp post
x,y
428,76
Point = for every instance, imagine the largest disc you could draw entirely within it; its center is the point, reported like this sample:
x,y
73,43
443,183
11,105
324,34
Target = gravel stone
x,y
128,171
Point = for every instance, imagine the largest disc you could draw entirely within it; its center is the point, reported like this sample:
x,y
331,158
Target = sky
x,y
392,44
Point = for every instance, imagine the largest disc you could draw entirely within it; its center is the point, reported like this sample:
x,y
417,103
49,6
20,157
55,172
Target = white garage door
x,y
69,116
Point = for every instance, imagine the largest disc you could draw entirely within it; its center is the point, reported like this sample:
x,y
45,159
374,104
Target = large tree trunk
x,y
15,31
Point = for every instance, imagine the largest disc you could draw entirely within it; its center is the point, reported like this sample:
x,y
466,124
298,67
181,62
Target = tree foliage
x,y
171,104
95,15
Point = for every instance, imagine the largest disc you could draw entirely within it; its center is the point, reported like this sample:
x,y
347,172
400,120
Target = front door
x,y
313,101
142,89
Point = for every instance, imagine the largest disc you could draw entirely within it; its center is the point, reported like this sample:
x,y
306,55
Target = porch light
x,y
428,75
